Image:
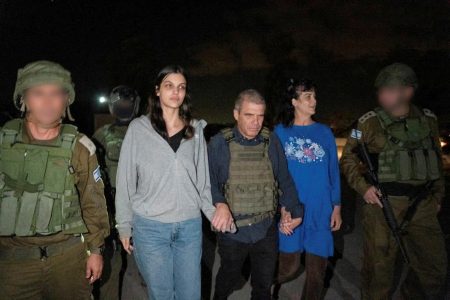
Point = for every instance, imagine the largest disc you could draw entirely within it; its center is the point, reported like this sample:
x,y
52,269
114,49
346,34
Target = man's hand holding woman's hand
x,y
223,219
287,224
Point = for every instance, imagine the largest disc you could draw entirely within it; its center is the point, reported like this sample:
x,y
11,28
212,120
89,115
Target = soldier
x,y
53,218
123,106
247,166
404,146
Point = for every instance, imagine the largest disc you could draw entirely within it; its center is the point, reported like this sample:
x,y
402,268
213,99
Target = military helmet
x,y
397,74
123,93
42,72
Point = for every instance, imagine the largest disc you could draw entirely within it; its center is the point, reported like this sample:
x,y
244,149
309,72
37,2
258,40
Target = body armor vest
x,y
251,188
38,195
410,152
113,138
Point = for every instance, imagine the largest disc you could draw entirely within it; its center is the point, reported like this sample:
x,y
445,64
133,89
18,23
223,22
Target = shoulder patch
x,y
356,134
85,141
429,113
97,174
367,116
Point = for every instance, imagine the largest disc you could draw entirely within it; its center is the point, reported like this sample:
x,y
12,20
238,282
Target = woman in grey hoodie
x,y
162,185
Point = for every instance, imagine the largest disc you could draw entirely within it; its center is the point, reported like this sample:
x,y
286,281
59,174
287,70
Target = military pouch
x,y
26,214
71,215
11,162
35,165
113,150
8,214
56,174
44,214
420,165
404,165
432,161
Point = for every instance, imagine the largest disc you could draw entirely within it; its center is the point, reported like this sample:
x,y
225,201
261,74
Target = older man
x,y
53,218
247,169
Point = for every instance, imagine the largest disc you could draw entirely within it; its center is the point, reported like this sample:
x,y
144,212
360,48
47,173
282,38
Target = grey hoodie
x,y
156,183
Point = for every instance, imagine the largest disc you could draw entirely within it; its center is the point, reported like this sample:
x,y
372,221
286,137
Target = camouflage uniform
x,y
109,140
52,265
423,237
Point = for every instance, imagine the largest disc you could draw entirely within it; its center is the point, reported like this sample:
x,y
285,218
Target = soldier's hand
x,y
126,244
94,267
223,219
372,196
336,219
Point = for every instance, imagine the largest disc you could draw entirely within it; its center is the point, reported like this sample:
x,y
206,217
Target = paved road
x,y
344,269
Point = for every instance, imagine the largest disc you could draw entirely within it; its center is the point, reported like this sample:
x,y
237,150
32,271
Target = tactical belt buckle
x,y
44,253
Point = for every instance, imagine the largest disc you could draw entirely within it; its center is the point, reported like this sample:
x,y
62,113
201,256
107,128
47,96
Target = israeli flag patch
x,y
97,174
356,134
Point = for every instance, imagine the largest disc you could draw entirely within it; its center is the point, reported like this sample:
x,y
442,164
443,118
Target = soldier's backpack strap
x,y
69,134
228,134
265,134
383,117
11,132
385,122
426,113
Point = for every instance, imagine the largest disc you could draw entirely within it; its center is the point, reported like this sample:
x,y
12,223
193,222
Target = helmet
x,y
118,96
41,72
397,74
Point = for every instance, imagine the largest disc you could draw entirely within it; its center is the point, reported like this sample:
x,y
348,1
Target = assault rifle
x,y
387,208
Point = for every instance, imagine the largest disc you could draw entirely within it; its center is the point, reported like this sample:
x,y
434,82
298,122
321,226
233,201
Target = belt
x,y
404,189
253,219
42,252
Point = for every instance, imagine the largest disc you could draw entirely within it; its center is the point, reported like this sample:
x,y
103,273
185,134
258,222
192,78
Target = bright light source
x,y
102,99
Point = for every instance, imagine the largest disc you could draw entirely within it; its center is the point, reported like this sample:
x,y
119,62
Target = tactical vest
x,y
410,152
113,143
251,188
38,195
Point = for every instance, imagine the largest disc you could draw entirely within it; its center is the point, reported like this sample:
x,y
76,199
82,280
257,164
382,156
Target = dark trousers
x,y
263,258
289,268
315,267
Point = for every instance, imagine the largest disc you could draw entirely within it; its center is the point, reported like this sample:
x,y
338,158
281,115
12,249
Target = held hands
x,y
94,267
287,224
372,196
336,219
223,219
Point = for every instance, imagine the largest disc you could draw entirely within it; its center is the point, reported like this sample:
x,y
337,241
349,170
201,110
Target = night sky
x,y
227,46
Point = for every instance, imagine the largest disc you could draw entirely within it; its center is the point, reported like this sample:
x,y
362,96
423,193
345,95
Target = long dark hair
x,y
155,110
294,87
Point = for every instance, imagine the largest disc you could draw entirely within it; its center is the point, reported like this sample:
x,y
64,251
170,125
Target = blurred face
x,y
172,91
396,100
46,103
305,104
250,118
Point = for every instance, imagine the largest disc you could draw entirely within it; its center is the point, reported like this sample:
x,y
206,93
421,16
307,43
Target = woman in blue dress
x,y
311,154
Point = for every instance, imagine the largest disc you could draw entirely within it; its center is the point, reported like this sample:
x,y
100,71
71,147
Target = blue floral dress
x,y
312,161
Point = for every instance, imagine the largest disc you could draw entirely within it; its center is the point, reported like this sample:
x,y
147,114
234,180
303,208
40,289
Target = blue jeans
x,y
168,256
